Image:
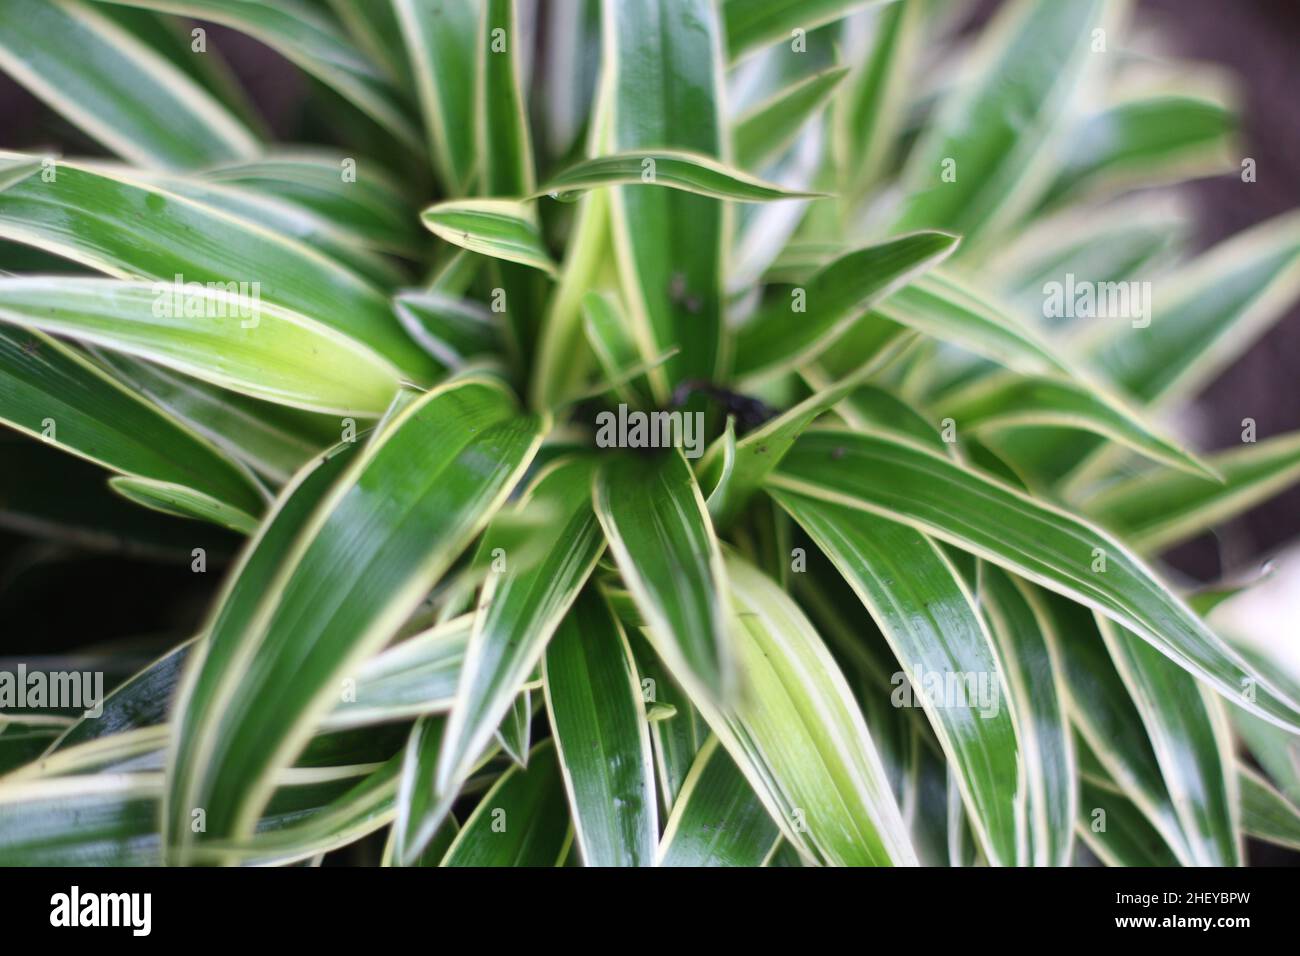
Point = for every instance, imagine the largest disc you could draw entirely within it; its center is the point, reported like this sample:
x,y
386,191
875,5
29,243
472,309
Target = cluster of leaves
x,y
909,474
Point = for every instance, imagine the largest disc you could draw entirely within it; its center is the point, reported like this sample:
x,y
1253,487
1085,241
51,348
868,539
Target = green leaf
x,y
1155,511
918,599
1111,731
1027,645
976,166
1145,140
441,467
678,738
519,609
766,129
871,106
441,37
115,87
1128,839
675,168
224,338
751,24
798,737
598,719
1038,541
717,820
782,337
662,75
309,40
1006,401
451,329
521,821
1191,742
131,230
1265,813
96,820
354,194
174,499
50,392
660,534
1214,308
944,308
274,440
501,228
504,147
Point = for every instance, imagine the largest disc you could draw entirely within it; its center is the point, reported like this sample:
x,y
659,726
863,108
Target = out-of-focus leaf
x,y
115,87
131,230
215,335
52,393
312,42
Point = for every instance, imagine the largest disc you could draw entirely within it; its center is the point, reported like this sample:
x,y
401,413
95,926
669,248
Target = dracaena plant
x,y
662,432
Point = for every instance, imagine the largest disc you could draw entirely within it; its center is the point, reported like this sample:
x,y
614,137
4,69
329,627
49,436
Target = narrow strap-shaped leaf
x,y
1214,308
871,105
927,615
516,729
50,392
274,440
441,467
440,40
611,340
1144,139
1111,740
115,87
601,736
95,820
522,821
1039,541
974,168
752,24
505,149
1157,511
944,308
130,229
717,820
312,42
1191,744
677,169
174,499
798,737
451,329
1265,813
501,228
1007,401
1034,676
518,612
219,336
660,534
15,167
663,60
796,328
1115,829
769,127
355,195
